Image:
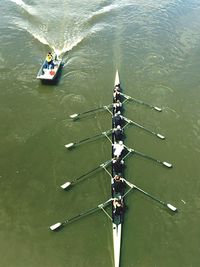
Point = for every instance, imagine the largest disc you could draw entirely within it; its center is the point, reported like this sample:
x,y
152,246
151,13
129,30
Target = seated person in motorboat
x,y
49,64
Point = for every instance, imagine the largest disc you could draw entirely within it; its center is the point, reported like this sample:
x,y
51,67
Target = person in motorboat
x,y
118,133
117,165
118,206
119,184
49,64
117,106
118,148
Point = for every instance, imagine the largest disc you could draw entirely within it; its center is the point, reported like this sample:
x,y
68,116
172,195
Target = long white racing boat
x,y
119,153
117,219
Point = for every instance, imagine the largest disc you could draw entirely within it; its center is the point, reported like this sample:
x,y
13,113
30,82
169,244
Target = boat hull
x,y
117,220
49,74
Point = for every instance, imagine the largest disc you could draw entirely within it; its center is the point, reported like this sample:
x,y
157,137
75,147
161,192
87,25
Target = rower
x,y
117,87
118,206
116,95
117,165
118,133
118,148
119,184
118,119
117,106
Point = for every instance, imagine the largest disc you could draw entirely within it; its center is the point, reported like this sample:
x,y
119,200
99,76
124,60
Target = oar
x,y
67,184
71,145
144,128
170,206
76,115
141,102
82,214
168,165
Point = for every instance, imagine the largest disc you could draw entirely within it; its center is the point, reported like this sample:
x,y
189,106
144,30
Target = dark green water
x,y
155,46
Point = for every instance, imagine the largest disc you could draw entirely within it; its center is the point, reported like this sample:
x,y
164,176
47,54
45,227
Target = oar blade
x,y
55,226
157,109
70,145
171,207
160,136
65,185
167,164
73,116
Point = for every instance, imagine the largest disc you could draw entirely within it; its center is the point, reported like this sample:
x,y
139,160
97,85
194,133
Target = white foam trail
x,y
41,39
25,26
68,45
26,7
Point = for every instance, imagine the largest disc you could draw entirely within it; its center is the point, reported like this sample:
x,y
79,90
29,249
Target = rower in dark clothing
x,y
118,119
118,165
116,96
118,207
117,87
118,133
119,185
117,106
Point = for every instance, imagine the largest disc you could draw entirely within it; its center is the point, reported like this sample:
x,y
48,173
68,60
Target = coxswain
x,y
118,148
117,106
118,133
119,184
117,165
118,207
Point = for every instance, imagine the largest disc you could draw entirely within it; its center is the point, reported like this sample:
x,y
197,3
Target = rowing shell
x,y
116,219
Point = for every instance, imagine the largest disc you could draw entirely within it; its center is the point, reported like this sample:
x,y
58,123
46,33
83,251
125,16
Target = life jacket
x,y
49,58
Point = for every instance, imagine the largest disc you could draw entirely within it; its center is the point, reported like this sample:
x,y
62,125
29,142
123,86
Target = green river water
x,y
155,45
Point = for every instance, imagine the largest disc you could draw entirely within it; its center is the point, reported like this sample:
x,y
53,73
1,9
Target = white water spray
x,y
26,7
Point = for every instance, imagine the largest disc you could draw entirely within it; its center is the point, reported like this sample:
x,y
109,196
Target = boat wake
x,y
24,6
73,29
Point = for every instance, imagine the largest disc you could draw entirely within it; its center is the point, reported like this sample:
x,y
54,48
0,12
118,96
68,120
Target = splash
x,y
68,45
26,7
